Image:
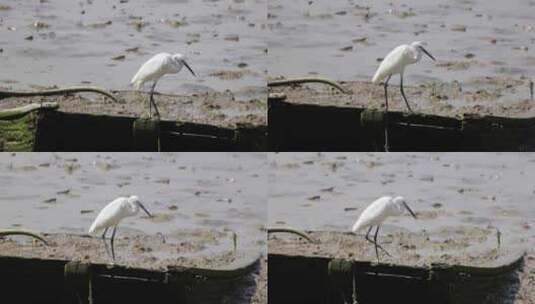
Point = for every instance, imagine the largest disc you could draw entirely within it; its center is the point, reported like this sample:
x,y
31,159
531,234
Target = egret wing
x,y
374,214
151,70
109,216
393,63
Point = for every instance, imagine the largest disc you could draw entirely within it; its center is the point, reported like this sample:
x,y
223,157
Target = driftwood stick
x,y
292,231
6,94
7,232
307,80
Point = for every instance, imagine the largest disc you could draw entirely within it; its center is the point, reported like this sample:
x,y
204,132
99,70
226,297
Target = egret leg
x,y
403,93
372,241
112,239
104,241
377,245
386,91
151,101
386,115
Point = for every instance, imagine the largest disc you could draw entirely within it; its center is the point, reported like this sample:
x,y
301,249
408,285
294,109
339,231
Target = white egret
x,y
395,63
154,69
112,214
376,213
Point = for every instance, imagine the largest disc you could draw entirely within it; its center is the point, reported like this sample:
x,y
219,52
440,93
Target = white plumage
x,y
377,212
155,68
112,214
395,63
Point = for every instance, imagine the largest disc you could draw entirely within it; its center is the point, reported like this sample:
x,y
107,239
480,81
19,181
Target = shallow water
x,y
82,37
328,191
307,37
188,193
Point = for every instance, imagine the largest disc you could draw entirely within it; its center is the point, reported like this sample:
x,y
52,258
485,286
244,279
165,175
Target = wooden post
x,y
146,135
78,283
341,278
373,124
178,281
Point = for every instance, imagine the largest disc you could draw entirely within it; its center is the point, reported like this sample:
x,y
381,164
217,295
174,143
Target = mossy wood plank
x,y
325,128
302,279
17,133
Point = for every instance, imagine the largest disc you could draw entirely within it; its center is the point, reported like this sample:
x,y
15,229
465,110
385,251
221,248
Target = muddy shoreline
x,y
220,109
470,246
139,251
501,96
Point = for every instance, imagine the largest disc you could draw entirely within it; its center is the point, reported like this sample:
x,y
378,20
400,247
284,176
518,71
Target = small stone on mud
x,y
66,191
134,49
458,28
163,180
330,189
234,38
40,25
120,57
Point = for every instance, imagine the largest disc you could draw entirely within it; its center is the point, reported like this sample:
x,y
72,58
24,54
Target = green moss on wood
x,y
18,134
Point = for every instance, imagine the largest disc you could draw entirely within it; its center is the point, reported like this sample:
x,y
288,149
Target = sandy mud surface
x,y
463,246
153,252
221,109
500,96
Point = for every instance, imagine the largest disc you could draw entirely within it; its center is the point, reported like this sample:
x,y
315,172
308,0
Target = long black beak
x,y
187,66
410,211
144,209
427,53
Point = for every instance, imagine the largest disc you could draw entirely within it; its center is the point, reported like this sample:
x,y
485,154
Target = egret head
x,y
402,206
135,204
419,47
180,60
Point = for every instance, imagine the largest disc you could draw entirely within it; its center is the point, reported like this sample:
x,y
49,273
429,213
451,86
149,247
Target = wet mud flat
x,y
469,39
467,246
220,109
495,96
108,41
